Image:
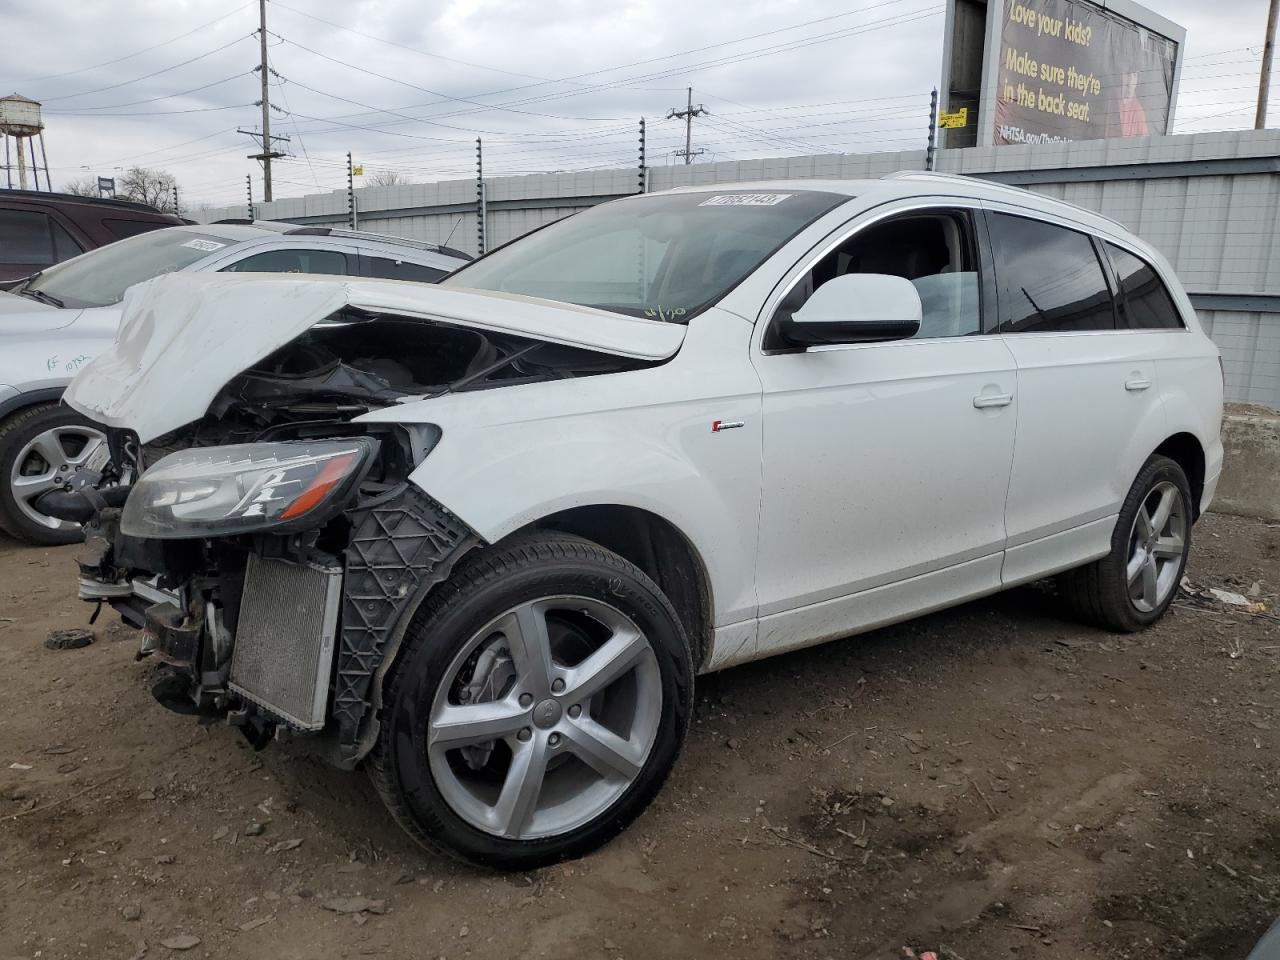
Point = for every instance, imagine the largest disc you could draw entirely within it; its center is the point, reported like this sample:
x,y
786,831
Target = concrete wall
x,y
1250,483
1210,202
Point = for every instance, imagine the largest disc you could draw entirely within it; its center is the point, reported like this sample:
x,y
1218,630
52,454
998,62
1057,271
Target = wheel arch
x,y
659,548
29,398
1185,450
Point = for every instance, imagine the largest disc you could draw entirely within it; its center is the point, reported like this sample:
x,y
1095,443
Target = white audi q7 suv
x,y
480,537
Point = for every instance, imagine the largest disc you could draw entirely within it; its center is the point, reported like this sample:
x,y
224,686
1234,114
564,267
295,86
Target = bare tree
x,y
81,187
386,178
147,185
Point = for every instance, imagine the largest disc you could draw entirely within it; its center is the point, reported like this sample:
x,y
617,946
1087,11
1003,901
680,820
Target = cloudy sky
x,y
551,85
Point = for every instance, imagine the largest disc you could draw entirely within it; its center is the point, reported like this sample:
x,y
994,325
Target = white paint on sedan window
x,y
744,200
208,246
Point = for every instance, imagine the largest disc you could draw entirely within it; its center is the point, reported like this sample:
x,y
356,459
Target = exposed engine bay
x,y
354,363
271,551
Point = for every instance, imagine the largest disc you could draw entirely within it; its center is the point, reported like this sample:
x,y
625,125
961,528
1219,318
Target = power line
x,y
151,113
147,76
130,56
401,46
444,97
682,53
168,96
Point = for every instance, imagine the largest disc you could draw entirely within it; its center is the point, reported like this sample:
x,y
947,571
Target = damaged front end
x,y
273,549
268,579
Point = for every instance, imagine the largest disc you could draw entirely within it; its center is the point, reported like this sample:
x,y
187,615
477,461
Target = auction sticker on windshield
x,y
744,200
208,246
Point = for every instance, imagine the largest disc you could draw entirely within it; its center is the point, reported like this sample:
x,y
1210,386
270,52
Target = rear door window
x,y
1144,302
389,269
293,261
26,236
1050,277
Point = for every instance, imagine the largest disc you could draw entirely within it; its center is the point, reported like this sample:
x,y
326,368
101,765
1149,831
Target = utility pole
x,y
642,164
175,198
267,153
351,194
687,115
481,212
1268,52
931,152
248,184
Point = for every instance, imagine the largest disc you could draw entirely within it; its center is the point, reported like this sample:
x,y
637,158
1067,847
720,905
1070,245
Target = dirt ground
x,y
993,781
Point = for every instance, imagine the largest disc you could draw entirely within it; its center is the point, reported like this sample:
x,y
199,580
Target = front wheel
x,y
538,704
1132,587
42,448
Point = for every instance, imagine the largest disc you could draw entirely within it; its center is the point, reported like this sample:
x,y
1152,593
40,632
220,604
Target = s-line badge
x,y
718,425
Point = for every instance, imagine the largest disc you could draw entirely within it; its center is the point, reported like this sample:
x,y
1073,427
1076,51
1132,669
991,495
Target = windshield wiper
x,y
42,297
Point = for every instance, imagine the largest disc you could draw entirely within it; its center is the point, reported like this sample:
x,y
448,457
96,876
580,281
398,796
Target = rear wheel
x,y
45,447
1132,587
537,706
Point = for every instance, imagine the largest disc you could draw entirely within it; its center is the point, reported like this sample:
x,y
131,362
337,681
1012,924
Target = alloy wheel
x,y
58,458
1156,545
545,718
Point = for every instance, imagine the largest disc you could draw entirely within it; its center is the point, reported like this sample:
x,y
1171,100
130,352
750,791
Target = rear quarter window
x,y
1145,302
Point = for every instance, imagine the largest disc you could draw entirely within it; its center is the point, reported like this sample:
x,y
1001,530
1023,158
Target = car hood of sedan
x,y
184,336
24,317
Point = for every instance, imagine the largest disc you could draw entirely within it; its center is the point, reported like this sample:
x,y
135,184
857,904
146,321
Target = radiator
x,y
284,643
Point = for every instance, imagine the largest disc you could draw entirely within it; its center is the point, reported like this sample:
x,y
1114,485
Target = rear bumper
x,y
1212,473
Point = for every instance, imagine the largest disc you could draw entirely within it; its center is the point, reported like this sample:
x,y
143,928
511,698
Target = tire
x,y
20,436
1101,593
462,801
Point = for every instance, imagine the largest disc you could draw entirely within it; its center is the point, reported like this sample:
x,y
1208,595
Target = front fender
x,y
643,438
502,478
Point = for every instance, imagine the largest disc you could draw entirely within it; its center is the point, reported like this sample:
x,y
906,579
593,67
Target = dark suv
x,y
39,229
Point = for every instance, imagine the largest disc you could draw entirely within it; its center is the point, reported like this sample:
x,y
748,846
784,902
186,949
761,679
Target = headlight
x,y
241,488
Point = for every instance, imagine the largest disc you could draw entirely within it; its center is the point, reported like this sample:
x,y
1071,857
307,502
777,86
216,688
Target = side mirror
x,y
856,308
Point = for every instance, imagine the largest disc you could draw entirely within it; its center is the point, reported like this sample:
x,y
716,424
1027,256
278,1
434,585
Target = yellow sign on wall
x,y
952,121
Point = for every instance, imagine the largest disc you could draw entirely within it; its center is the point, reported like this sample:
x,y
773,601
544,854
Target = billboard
x,y
1069,70
1045,71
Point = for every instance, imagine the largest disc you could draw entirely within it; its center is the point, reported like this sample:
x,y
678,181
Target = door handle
x,y
1137,383
983,400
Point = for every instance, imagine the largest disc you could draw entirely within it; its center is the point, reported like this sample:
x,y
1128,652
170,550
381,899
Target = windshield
x,y
100,277
665,256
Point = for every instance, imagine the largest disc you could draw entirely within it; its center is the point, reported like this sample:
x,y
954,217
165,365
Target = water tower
x,y
20,123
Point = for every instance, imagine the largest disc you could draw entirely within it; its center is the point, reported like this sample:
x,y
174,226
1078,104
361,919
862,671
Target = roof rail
x,y
990,184
365,234
18,194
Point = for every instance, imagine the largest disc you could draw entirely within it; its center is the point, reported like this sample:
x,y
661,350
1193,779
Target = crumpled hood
x,y
183,336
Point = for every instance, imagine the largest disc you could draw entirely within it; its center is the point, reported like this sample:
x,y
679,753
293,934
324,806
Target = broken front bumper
x,y
272,630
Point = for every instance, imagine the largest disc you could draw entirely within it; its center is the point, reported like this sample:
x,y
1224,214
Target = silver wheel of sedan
x,y
59,457
544,718
1156,545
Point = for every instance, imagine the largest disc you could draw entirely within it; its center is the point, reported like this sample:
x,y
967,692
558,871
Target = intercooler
x,y
284,641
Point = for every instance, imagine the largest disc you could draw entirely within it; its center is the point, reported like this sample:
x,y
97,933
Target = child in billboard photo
x,y
1130,115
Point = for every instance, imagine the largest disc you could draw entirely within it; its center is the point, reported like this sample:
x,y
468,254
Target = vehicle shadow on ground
x,y
914,652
